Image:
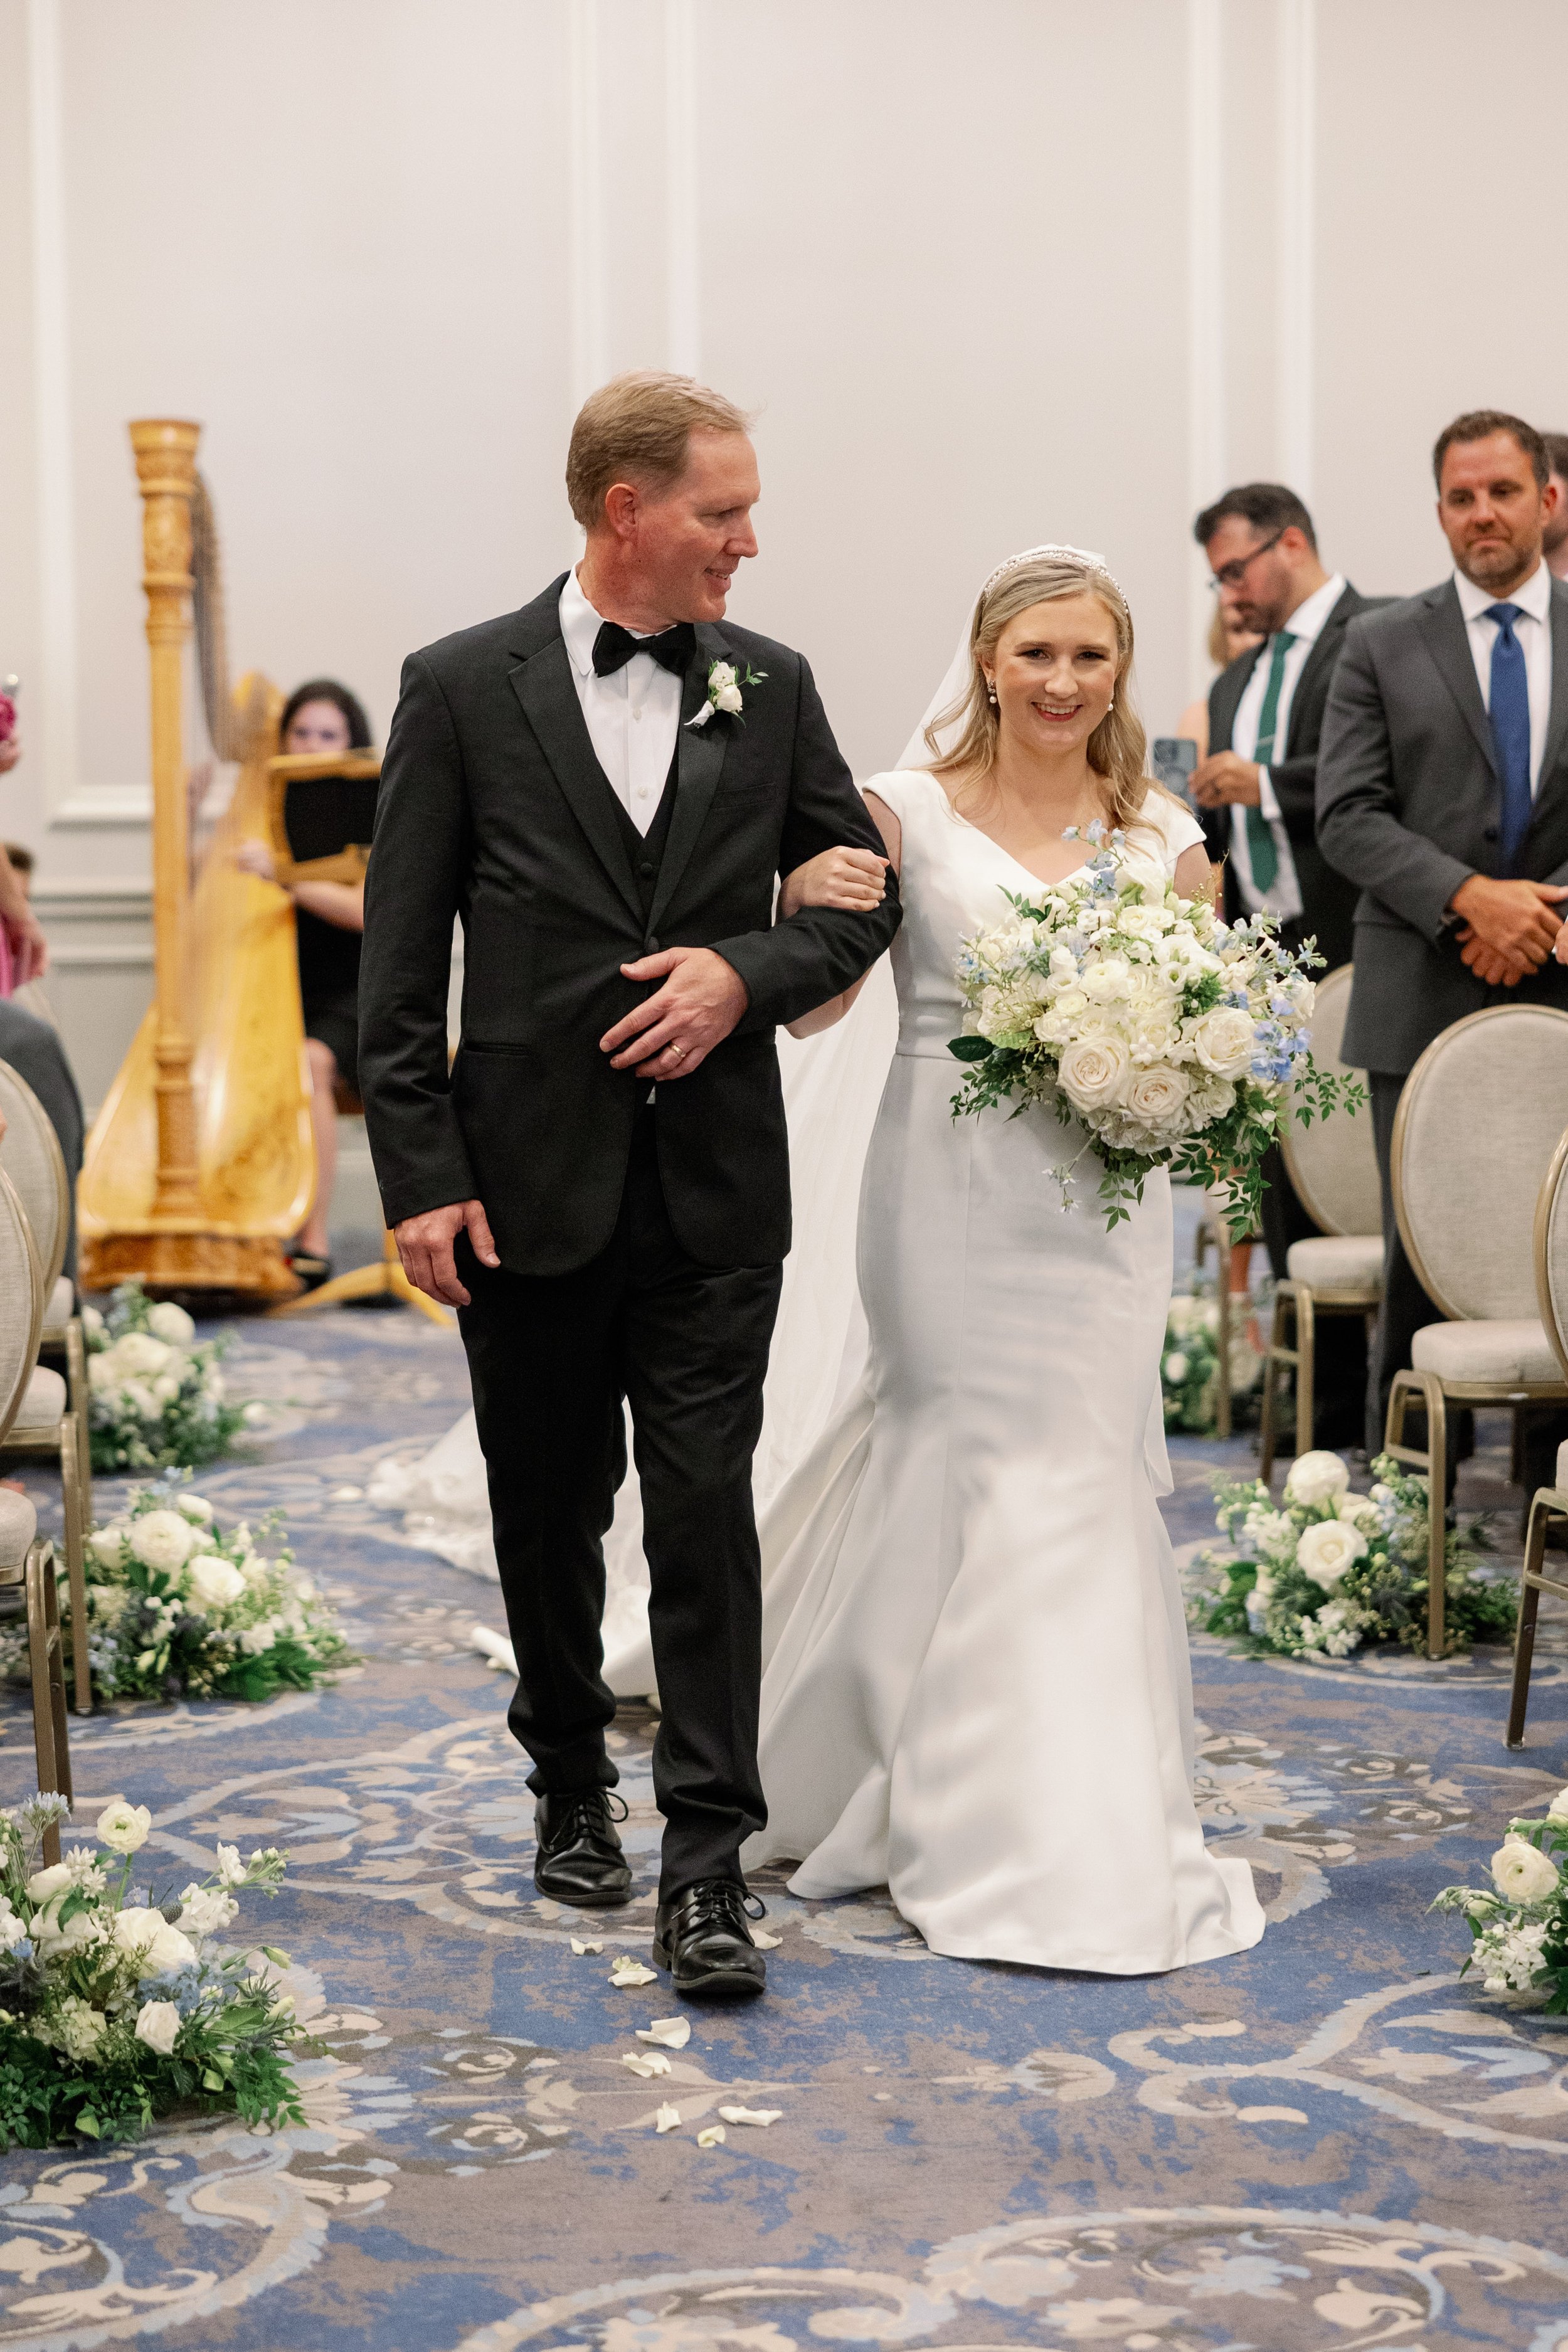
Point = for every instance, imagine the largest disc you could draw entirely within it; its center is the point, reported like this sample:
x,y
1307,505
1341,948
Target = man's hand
x,y
1508,929
1226,779
678,1026
425,1245
29,947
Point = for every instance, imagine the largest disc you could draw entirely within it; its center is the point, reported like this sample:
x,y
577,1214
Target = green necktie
x,y
1261,852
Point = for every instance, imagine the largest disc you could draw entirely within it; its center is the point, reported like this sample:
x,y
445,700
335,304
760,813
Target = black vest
x,y
645,850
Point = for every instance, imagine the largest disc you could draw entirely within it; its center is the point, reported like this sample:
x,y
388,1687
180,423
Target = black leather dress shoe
x,y
702,1937
579,1859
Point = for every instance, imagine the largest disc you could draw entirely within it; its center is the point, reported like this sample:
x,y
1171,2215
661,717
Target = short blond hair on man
x,y
634,429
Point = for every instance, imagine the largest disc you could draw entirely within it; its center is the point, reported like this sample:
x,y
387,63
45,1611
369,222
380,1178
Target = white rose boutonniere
x,y
724,683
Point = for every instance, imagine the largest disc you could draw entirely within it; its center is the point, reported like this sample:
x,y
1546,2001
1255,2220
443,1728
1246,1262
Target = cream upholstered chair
x,y
1332,1164
27,1563
1479,1122
1548,1503
40,1420
31,1156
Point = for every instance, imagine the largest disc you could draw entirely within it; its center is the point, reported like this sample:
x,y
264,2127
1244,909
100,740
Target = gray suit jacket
x,y
1408,804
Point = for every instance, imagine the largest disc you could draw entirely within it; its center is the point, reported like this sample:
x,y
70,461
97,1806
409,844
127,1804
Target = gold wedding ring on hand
x,y
678,1051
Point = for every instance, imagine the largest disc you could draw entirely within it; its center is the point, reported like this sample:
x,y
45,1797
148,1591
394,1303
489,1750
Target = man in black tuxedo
x,y
1443,797
603,788
1257,795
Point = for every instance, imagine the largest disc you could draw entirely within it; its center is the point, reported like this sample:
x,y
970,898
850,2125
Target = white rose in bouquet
x,y
1557,1809
1092,1073
138,1353
107,1545
52,1938
1522,1873
1317,1478
158,2025
213,1581
52,1881
123,1826
153,1945
169,1322
1327,1548
1224,1041
1157,1096
162,1539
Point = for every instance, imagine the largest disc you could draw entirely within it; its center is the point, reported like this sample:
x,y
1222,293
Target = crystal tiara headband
x,y
1085,555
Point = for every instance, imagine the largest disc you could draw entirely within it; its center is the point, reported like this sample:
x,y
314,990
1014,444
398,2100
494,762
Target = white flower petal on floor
x,y
670,2033
751,2114
646,2063
667,2120
628,1974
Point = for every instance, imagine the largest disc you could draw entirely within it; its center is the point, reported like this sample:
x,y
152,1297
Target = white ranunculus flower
x,y
257,1638
197,1508
1175,1368
139,1396
53,1939
155,1947
214,1581
162,1539
1327,1548
1224,1041
165,1388
1106,976
124,1826
101,1374
158,2021
1318,1477
167,1321
1523,1873
728,699
1157,1096
1093,1072
107,1545
52,1881
1558,1808
140,1353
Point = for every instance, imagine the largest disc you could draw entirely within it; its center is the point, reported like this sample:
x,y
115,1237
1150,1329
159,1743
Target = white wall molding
x,y
1295,207
587,292
130,955
1207,437
54,470
683,296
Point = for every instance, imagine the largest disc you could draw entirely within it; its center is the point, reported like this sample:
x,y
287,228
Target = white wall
x,y
993,270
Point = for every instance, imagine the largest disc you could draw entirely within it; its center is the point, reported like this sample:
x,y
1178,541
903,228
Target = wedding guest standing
x,y
1256,790
1443,797
1554,538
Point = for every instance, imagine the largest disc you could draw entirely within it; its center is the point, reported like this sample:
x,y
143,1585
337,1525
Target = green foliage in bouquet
x,y
1189,1362
158,1398
1173,1038
1329,1571
117,2003
1519,1925
179,1607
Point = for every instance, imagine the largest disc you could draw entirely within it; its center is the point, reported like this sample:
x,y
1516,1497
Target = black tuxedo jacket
x,y
1328,900
1408,808
493,809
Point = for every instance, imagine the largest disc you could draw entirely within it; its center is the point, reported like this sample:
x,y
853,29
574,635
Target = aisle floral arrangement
x,y
179,1607
1519,1925
116,2001
1328,1572
1189,1362
158,1398
1175,1039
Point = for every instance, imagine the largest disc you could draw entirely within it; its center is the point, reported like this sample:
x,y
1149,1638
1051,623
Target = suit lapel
x,y
1227,691
1442,626
548,693
1322,655
699,760
1557,724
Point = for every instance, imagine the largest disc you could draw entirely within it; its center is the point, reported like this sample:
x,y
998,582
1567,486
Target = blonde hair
x,y
1118,746
636,428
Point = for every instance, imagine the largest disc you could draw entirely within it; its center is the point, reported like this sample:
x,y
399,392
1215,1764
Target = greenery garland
x,y
117,2003
1327,1573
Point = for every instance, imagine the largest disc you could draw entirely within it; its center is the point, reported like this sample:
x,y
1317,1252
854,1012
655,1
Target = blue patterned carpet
x,y
1327,2141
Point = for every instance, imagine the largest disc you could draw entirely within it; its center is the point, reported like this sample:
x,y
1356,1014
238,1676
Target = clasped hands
x,y
1508,930
1226,779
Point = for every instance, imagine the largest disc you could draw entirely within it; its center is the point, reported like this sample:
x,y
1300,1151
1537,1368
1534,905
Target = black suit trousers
x,y
552,1357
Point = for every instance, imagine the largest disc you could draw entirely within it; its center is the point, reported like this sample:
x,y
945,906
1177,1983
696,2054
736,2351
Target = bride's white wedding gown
x,y
976,1685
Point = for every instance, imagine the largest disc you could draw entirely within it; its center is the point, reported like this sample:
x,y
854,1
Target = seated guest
x,y
1443,797
1257,786
322,716
33,1050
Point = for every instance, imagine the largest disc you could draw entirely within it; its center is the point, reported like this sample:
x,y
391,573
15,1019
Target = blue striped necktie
x,y
1510,714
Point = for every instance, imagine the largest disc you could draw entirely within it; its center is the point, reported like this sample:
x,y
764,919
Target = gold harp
x,y
200,1165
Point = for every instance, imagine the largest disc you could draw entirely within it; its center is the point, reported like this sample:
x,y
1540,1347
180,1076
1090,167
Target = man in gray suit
x,y
1443,793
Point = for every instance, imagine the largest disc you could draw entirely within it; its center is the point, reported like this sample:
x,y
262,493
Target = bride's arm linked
x,y
851,879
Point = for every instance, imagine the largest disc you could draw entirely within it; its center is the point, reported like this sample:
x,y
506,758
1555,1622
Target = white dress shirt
x,y
1533,631
633,715
1283,896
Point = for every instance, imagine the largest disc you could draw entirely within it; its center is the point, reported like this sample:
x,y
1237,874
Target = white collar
x,y
579,625
1533,595
1307,621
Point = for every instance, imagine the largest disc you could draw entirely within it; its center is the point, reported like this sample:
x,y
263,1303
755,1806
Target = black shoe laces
x,y
719,1902
590,1811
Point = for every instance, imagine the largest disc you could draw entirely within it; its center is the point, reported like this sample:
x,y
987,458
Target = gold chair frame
x,y
1213,1228
67,1444
1431,1390
52,1734
1547,1503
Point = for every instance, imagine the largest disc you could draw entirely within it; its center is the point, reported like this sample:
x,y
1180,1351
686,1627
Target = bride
x,y
976,1688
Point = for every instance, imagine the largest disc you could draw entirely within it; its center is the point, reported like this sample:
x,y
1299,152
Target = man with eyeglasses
x,y
1256,794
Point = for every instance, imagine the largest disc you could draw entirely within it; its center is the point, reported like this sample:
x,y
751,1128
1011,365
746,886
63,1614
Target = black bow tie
x,y
614,648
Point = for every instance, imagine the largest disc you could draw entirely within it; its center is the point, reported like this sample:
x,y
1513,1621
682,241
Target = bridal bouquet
x,y
1328,1572
1520,1924
178,1607
1173,1037
158,1398
116,2001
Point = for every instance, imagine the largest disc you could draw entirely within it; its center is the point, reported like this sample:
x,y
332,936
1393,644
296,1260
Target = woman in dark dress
x,y
322,716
